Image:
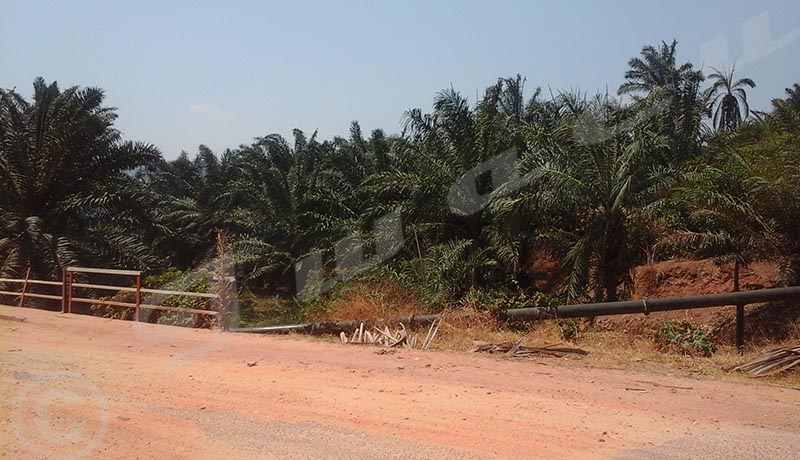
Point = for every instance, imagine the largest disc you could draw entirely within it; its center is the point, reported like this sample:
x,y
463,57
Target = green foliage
x,y
159,280
65,195
507,299
569,328
270,311
684,338
172,279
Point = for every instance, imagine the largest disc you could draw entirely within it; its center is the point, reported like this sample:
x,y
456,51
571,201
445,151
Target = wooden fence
x,y
68,287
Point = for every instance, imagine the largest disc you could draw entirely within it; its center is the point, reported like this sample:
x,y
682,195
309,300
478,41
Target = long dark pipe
x,y
335,326
584,310
647,306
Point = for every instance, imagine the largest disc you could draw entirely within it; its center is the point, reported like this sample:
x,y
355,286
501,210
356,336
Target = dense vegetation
x,y
673,165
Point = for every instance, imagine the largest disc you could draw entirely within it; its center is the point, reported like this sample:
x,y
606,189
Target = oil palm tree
x,y
657,82
729,107
589,197
656,68
455,248
786,112
67,195
194,201
292,202
722,217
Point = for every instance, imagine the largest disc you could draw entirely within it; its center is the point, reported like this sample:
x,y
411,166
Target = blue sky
x,y
184,73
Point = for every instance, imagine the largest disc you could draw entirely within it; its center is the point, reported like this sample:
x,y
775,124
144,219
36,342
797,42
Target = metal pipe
x,y
334,326
648,306
564,311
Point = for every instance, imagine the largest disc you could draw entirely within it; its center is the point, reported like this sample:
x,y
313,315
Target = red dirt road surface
x,y
84,387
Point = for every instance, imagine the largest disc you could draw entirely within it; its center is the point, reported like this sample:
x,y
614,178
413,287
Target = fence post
x,y
70,278
740,326
739,307
138,296
24,287
63,290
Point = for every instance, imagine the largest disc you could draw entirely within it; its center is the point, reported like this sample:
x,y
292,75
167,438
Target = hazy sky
x,y
184,73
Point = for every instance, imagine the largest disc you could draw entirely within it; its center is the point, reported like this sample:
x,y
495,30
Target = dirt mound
x,y
674,278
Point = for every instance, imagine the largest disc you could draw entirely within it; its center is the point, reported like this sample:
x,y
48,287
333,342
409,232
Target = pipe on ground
x,y
335,327
585,310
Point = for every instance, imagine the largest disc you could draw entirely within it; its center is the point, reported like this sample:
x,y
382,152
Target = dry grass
x,y
370,299
609,347
614,349
623,342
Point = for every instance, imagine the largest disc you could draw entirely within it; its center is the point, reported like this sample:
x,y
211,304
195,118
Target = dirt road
x,y
83,387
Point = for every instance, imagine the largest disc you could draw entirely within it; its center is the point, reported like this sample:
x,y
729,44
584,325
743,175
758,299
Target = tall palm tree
x,y
656,81
68,195
722,218
729,106
454,249
292,202
590,196
194,201
656,68
786,112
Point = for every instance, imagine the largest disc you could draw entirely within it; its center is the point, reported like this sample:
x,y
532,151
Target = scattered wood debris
x,y
518,350
772,361
399,338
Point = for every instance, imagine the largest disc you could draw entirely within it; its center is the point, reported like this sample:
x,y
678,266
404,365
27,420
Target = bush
x,y
507,299
685,338
569,329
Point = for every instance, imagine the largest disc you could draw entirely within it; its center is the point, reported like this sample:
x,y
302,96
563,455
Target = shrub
x,y
685,338
569,329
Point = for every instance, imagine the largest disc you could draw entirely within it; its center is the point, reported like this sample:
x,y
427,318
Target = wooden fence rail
x,y
68,287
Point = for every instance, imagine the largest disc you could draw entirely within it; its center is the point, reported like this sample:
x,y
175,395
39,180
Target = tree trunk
x,y
611,289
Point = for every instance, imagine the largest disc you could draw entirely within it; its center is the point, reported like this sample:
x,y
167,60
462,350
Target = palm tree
x,y
450,249
194,201
594,196
729,106
786,112
721,200
67,194
793,96
656,69
657,82
295,201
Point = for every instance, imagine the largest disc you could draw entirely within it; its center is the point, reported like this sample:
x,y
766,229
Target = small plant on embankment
x,y
685,338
